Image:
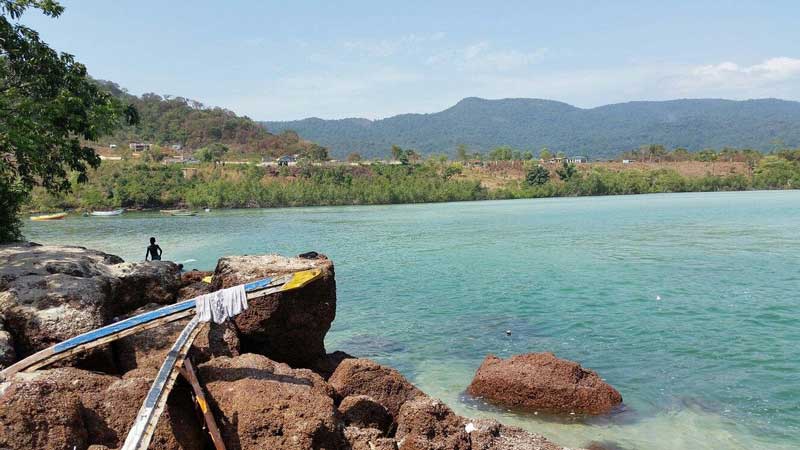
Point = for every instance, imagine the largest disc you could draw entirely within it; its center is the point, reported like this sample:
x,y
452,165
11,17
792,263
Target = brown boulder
x,y
51,293
364,412
428,424
384,384
260,403
488,434
39,415
7,353
288,327
368,439
38,410
543,382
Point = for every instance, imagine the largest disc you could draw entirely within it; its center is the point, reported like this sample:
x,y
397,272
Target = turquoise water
x,y
430,289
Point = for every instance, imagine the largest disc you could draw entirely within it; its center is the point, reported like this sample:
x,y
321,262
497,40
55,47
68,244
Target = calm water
x,y
430,289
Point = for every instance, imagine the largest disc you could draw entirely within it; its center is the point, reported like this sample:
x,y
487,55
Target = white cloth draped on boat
x,y
220,305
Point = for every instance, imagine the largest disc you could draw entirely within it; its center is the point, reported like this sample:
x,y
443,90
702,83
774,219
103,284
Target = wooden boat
x,y
115,212
171,211
142,430
56,216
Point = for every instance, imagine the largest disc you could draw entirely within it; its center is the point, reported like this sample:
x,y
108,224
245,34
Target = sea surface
x,y
689,304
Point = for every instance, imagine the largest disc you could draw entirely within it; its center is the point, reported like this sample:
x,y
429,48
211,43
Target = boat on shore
x,y
169,212
115,212
43,217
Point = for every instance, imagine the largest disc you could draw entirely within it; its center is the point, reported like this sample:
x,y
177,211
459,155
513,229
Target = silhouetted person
x,y
153,251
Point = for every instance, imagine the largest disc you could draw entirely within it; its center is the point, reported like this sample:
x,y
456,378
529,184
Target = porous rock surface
x,y
51,293
70,409
288,327
543,382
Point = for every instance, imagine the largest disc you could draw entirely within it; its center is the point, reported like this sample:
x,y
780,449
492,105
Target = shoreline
x,y
138,209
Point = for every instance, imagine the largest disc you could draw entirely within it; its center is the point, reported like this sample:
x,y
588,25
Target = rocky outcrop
x,y
268,379
543,382
260,403
363,411
427,424
383,384
70,408
288,327
52,293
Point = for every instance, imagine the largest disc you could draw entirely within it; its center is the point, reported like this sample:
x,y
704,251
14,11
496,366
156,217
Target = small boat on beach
x,y
115,212
43,217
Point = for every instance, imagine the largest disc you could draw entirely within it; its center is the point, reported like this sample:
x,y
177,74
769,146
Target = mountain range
x,y
532,124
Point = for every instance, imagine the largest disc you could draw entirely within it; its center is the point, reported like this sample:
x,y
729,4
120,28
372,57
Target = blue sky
x,y
332,59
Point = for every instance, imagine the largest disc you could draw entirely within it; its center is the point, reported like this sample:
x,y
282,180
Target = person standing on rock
x,y
153,251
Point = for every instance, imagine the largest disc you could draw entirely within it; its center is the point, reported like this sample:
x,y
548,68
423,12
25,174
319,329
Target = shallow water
x,y
430,289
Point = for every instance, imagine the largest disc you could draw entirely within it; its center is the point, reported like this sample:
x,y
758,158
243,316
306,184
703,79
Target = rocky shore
x,y
270,381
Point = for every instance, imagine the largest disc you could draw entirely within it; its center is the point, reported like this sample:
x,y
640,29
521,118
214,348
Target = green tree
x,y
537,176
316,153
397,152
354,157
212,153
461,152
566,171
545,154
527,155
502,153
50,108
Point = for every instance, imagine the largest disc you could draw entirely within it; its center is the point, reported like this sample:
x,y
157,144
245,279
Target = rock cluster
x,y
268,378
543,382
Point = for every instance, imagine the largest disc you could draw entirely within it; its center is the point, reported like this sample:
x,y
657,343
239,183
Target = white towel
x,y
220,305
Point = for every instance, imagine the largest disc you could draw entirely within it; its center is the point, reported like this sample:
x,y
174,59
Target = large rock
x,y
428,424
543,382
383,384
288,327
7,353
261,403
364,412
69,408
368,439
51,293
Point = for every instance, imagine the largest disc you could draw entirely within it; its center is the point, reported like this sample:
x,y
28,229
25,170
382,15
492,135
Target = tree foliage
x,y
537,176
50,108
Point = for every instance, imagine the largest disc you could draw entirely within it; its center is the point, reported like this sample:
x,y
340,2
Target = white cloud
x,y
729,75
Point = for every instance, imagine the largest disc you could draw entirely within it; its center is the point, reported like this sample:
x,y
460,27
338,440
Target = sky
x,y
285,60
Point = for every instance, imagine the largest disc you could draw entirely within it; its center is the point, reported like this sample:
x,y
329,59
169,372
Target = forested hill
x,y
532,124
168,121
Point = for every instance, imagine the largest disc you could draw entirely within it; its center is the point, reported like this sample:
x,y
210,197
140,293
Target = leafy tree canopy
x,y
50,108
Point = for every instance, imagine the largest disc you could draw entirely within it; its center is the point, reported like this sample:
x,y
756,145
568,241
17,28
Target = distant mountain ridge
x,y
532,124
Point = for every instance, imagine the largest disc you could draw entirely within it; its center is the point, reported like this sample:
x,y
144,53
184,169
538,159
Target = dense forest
x,y
167,121
532,124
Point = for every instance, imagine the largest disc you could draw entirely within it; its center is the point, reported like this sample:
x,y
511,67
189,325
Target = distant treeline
x,y
148,185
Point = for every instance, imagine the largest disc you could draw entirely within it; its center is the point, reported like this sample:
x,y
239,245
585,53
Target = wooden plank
x,y
189,373
146,419
135,324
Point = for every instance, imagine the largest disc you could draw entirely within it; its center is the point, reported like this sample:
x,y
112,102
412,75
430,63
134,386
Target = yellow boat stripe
x,y
300,279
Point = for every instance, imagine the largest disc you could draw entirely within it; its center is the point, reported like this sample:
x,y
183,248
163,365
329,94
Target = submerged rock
x,y
543,382
288,327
